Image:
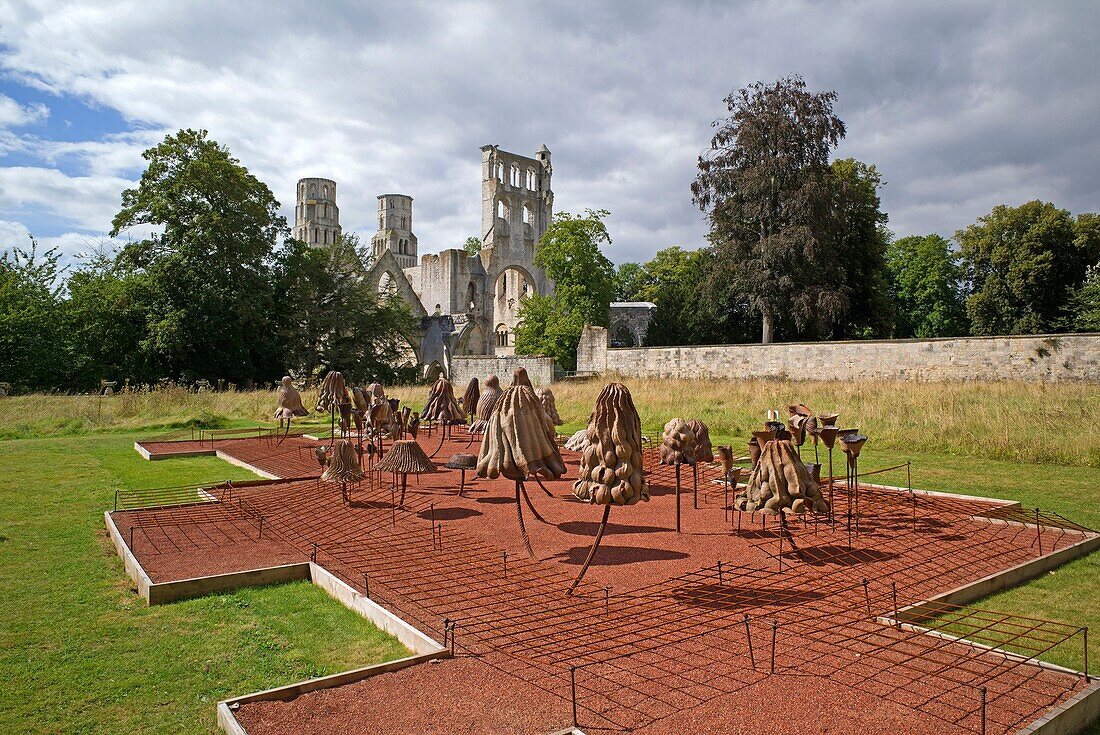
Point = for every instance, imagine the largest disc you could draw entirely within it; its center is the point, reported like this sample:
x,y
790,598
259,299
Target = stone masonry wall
x,y
540,369
1059,357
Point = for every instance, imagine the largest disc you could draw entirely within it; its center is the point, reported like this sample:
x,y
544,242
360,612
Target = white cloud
x,y
14,115
961,107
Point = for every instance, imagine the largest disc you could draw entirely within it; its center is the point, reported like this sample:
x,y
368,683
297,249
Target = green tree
x,y
1084,303
215,226
856,267
686,314
1022,264
32,346
584,286
327,317
925,282
105,320
472,246
628,280
765,186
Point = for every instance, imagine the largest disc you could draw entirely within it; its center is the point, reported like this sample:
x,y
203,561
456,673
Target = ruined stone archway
x,y
513,283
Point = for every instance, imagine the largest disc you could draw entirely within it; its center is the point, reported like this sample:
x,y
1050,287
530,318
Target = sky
x,y
961,106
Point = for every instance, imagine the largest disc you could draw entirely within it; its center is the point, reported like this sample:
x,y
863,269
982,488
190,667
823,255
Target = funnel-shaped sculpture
x,y
289,405
441,405
611,470
678,448
470,398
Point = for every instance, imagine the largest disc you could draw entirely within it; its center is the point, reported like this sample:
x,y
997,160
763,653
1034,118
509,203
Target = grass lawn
x,y
81,653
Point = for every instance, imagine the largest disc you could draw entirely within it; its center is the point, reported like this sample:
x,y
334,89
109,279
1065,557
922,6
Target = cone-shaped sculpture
x,y
677,448
828,419
611,470
470,397
343,465
546,398
405,458
704,452
441,405
290,404
486,403
333,392
780,483
520,377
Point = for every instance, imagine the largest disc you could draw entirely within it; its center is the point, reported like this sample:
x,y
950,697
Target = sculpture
x,y
486,403
578,441
462,462
343,467
442,408
333,395
677,448
780,483
611,471
520,377
470,398
546,398
290,405
704,452
852,442
730,474
519,442
405,458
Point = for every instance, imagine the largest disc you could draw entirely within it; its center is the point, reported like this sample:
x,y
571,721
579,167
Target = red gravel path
x,y
665,648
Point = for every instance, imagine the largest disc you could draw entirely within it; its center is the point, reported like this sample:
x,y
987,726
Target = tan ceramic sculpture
x,y
405,458
678,448
780,484
518,443
289,405
470,398
611,471
546,398
486,403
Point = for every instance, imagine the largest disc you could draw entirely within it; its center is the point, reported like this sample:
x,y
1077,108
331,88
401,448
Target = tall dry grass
x,y
1054,423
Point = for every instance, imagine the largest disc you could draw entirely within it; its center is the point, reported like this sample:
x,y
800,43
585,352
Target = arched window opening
x,y
526,215
502,211
514,176
315,235
324,192
530,179
500,172
471,296
502,335
313,191
404,223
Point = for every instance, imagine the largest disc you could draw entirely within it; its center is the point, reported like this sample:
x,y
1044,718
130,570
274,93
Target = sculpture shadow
x,y
588,528
732,597
497,500
607,556
449,514
370,504
819,556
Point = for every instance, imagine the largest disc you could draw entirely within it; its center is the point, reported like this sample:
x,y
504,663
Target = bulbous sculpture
x,y
546,398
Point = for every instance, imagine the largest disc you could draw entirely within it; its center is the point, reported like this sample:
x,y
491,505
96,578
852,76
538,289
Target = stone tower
x,y
516,200
316,216
395,221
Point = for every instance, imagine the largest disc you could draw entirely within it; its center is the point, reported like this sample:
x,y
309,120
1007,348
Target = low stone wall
x,y
1034,358
541,369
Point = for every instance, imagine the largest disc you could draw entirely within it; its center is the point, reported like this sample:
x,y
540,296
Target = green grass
x,y
80,652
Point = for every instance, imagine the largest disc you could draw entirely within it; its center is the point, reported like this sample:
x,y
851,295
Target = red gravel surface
x,y
657,634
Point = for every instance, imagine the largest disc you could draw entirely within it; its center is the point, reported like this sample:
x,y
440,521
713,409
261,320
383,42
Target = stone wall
x,y
1050,357
540,369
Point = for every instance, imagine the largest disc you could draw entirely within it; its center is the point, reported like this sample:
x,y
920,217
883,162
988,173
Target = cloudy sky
x,y
961,106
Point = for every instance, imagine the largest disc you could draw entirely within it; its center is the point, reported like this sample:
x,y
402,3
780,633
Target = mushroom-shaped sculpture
x,y
376,390
677,448
405,458
730,474
290,404
462,462
518,443
797,423
780,484
704,452
470,398
485,404
611,471
578,441
851,441
343,466
546,398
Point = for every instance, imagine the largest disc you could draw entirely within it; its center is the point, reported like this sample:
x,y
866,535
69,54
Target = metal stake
x,y
719,571
894,588
677,498
867,596
573,692
983,710
1038,532
775,628
506,565
366,585
131,538
748,637
1085,631
313,555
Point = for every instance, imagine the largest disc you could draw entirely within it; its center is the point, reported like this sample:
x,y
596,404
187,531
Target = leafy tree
x,y
926,285
205,265
765,185
628,280
327,317
856,268
584,286
32,352
1021,263
1084,303
686,313
472,246
105,320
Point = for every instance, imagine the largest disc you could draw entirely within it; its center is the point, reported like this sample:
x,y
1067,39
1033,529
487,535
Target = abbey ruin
x,y
467,304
